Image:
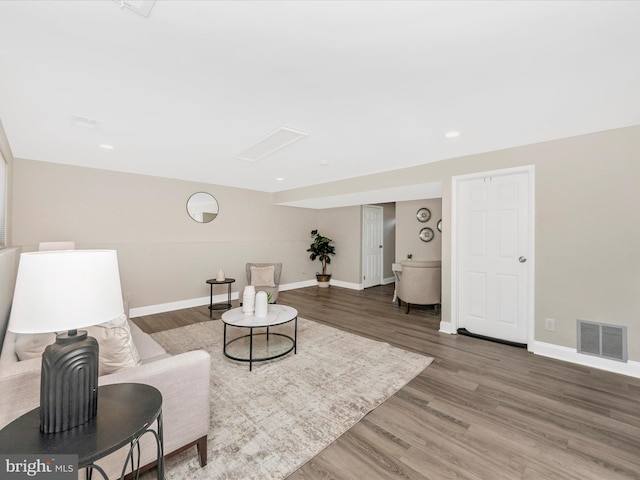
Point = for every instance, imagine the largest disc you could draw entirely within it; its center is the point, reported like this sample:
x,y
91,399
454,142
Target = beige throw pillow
x,y
263,276
28,346
117,349
116,346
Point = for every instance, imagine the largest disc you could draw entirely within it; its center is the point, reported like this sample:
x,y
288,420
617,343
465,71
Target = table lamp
x,y
62,291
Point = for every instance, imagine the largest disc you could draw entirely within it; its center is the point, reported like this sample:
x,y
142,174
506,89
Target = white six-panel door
x,y
493,256
372,232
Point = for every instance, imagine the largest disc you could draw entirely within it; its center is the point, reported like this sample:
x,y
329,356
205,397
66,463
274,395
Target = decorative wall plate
x,y
426,234
424,214
440,225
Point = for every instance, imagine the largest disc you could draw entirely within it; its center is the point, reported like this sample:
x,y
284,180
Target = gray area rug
x,y
267,423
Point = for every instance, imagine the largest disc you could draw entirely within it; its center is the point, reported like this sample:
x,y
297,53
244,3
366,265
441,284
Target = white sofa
x,y
182,379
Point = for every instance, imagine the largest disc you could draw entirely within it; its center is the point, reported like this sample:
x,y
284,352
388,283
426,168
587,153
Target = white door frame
x,y
530,171
364,253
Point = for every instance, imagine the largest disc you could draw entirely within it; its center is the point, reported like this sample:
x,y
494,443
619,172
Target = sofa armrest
x,y
19,389
183,381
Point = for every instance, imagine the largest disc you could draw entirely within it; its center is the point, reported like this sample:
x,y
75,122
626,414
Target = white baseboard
x,y
352,286
447,327
294,286
388,280
179,305
629,368
198,302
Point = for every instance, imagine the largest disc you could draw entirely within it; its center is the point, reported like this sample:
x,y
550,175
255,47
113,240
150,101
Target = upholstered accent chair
x,y
420,283
265,277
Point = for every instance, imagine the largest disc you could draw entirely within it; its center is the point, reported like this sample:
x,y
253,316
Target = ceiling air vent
x,y
270,143
142,7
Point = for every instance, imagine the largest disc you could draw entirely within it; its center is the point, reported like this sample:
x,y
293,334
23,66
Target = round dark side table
x,y
126,411
220,306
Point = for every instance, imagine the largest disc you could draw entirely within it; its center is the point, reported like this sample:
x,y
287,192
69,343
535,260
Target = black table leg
x,y
250,348
224,340
211,301
160,448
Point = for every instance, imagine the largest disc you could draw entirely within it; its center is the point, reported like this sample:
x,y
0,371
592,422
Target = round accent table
x,y
126,411
220,306
263,345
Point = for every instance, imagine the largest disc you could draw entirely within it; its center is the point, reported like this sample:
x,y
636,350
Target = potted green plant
x,y
321,249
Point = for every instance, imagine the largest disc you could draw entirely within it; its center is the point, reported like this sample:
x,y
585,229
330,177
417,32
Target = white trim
x,y
388,280
630,368
293,286
447,327
179,305
362,242
352,286
198,302
452,326
4,201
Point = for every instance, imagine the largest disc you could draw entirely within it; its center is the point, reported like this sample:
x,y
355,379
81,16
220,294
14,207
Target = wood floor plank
x,y
481,411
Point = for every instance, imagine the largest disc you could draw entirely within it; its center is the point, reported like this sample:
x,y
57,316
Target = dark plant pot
x,y
323,280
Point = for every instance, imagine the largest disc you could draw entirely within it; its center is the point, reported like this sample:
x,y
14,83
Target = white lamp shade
x,y
65,290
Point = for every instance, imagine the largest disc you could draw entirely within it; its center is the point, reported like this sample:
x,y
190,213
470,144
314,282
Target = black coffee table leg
x,y
250,348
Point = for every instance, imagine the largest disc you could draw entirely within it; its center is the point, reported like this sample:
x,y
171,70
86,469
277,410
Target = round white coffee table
x,y
261,345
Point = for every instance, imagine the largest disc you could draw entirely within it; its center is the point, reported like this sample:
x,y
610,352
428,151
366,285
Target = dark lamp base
x,y
69,382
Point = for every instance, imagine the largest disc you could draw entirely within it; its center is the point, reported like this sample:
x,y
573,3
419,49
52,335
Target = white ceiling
x,y
374,84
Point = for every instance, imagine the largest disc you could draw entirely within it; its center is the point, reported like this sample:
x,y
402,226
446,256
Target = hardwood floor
x,y
481,411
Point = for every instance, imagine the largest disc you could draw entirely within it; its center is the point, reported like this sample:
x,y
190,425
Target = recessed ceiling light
x,y
324,163
452,134
106,147
280,179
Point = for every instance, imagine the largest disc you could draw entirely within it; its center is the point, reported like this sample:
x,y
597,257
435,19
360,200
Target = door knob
x,y
522,259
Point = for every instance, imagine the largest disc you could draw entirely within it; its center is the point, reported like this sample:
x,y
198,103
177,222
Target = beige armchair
x,y
265,277
419,283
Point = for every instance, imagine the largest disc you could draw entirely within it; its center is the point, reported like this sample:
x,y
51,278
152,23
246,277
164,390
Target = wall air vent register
x,y
602,340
